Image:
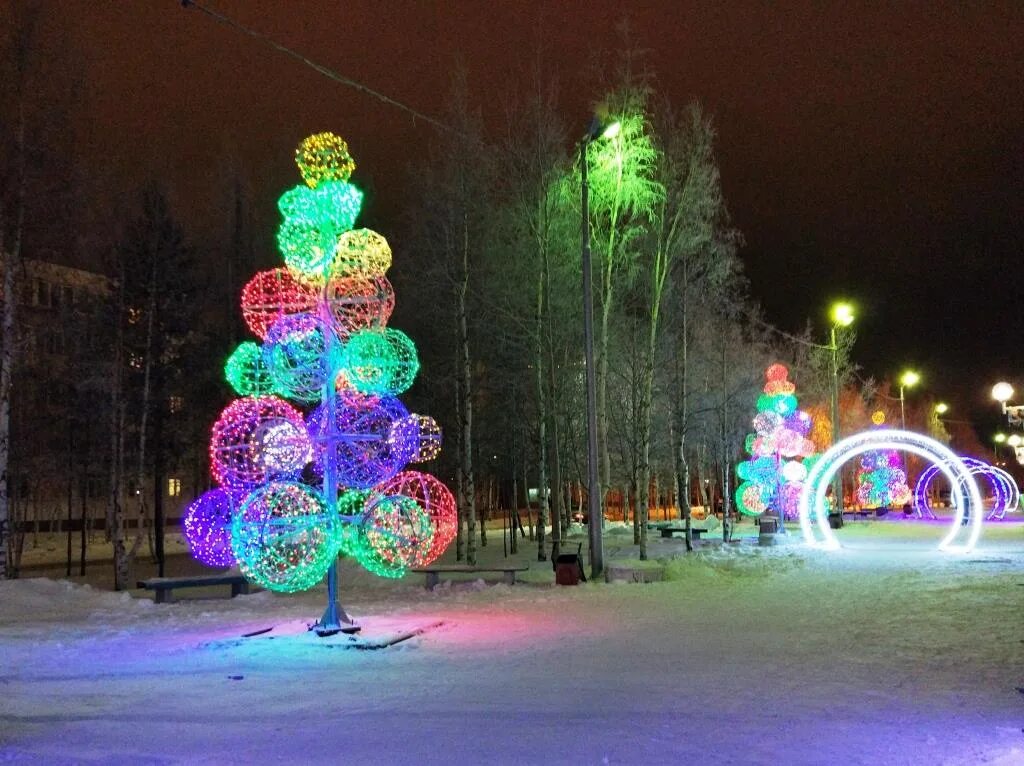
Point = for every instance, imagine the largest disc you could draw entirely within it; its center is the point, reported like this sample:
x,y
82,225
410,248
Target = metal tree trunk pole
x,y
334,619
593,486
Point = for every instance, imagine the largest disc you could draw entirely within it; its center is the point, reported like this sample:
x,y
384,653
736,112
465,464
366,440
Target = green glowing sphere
x,y
382,362
247,372
396,532
283,538
313,221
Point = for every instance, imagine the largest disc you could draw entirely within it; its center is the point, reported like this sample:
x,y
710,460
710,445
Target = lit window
x,y
134,361
173,487
134,315
175,404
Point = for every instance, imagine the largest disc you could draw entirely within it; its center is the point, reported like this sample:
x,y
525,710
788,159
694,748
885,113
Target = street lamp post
x,y
842,316
594,131
998,440
907,380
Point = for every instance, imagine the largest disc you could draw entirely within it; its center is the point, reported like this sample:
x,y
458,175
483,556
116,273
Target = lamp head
x,y
1014,440
941,408
1002,392
598,128
842,314
909,379
999,438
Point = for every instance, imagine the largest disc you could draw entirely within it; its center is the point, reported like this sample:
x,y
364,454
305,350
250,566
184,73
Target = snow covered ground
x,y
885,652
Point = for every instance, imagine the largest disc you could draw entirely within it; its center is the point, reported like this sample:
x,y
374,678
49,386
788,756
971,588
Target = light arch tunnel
x,y
959,538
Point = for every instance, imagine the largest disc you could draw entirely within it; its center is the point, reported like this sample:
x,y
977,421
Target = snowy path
x,y
874,655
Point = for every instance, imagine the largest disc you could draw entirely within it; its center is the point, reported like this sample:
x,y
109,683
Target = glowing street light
x,y
1014,440
1002,392
908,379
595,131
941,408
842,316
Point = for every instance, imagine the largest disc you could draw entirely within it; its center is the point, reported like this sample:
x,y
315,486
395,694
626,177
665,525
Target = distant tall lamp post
x,y
908,379
842,316
596,130
1002,392
999,439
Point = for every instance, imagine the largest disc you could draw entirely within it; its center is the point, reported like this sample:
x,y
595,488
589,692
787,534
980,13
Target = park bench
x,y
164,586
695,532
434,573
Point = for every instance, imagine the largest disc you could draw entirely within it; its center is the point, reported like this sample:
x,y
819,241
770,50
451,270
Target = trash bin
x,y
768,526
569,569
835,520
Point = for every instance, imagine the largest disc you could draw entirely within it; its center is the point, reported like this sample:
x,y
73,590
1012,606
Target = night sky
x,y
869,151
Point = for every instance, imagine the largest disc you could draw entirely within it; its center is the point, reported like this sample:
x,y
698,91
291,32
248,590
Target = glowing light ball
x,y
396,533
381,362
306,248
324,157
247,372
242,431
283,538
435,499
361,252
207,527
359,303
272,294
313,221
878,417
296,355
367,448
794,471
428,438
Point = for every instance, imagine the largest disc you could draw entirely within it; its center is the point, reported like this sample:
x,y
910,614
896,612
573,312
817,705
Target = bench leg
x,y
237,588
163,596
433,578
510,578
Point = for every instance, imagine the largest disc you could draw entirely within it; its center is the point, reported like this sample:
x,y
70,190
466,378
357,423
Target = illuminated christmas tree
x,y
310,459
780,452
881,480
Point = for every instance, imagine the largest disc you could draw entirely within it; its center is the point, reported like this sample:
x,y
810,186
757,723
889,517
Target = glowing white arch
x,y
960,478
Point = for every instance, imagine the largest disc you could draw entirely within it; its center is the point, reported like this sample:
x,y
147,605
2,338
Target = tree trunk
x,y
468,486
115,511
12,264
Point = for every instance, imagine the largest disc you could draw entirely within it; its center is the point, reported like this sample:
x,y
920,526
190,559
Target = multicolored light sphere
x,y
247,371
428,438
359,303
368,449
283,537
435,499
396,534
272,294
324,157
380,362
244,429
296,355
207,527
